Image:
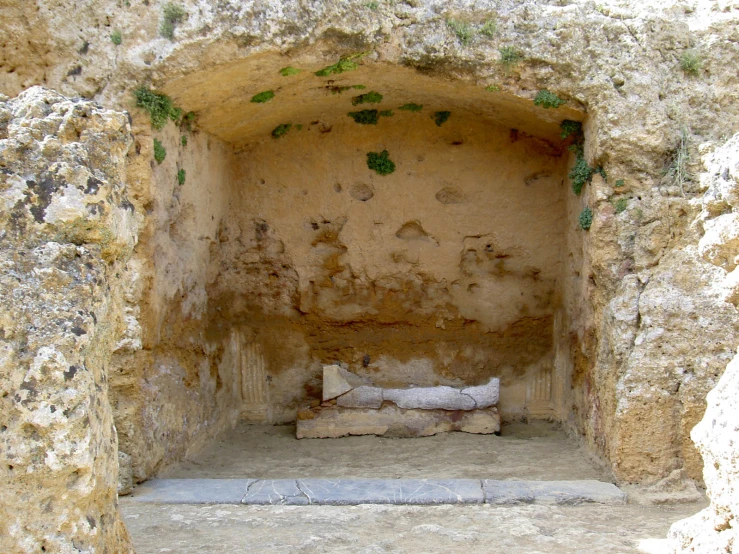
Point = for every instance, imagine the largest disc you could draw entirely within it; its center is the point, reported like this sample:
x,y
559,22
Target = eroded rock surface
x,y
66,230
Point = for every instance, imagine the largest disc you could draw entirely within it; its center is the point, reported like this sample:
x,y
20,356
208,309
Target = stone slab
x,y
391,421
485,395
552,492
361,397
430,398
352,492
192,491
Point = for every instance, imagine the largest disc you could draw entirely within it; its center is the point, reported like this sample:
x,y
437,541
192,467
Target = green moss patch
x,y
380,162
263,97
372,97
547,99
386,113
181,177
441,117
289,71
159,151
365,117
281,130
411,107
509,56
580,174
172,15
341,66
586,219
569,128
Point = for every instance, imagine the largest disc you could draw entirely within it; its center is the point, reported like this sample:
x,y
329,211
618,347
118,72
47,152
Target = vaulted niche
x,y
446,271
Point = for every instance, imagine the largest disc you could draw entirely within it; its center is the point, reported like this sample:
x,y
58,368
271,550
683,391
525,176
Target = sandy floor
x,y
531,529
536,451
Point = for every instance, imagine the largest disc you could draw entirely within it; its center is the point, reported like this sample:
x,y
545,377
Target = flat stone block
x,y
361,397
275,491
192,491
430,398
552,492
349,492
392,421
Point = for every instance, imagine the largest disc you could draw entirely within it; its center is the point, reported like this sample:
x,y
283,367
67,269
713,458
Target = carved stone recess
x,y
355,406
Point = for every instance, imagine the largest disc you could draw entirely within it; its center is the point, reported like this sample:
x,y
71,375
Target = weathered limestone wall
x,y
66,231
445,271
623,340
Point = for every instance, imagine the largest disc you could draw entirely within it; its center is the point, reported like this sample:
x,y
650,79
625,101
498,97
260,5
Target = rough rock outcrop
x,y
714,530
66,230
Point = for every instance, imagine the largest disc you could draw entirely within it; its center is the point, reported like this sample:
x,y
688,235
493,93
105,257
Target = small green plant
x,y
586,219
262,97
509,56
619,183
183,140
691,63
289,71
464,32
343,65
188,120
281,130
172,15
359,87
489,28
374,6
381,163
116,38
580,174
181,177
160,106
386,113
677,168
620,204
441,117
547,99
570,127
159,151
365,117
600,170
371,97
492,88
411,107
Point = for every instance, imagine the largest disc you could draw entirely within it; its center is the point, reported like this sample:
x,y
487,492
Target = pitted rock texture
x,y
714,530
66,230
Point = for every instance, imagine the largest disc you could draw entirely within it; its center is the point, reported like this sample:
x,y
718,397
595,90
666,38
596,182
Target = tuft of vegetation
x,y
371,97
262,97
547,99
441,117
159,151
570,127
492,88
489,28
359,87
586,219
172,15
411,107
600,170
116,38
620,205
365,117
281,130
381,163
374,6
580,174
619,183
181,177
386,113
289,71
343,65
160,106
464,32
677,168
188,120
183,140
691,63
509,56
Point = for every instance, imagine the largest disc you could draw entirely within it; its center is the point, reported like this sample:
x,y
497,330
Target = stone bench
x,y
353,405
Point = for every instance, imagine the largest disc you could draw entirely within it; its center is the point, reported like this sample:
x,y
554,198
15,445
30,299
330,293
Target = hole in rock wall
x,y
342,219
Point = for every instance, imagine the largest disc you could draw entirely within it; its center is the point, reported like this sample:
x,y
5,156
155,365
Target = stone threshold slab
x,y
351,492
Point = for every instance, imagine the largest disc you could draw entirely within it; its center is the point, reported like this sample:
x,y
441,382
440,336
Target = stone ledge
x,y
351,492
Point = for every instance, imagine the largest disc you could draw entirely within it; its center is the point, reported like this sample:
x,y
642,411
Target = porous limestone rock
x,y
66,230
714,530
